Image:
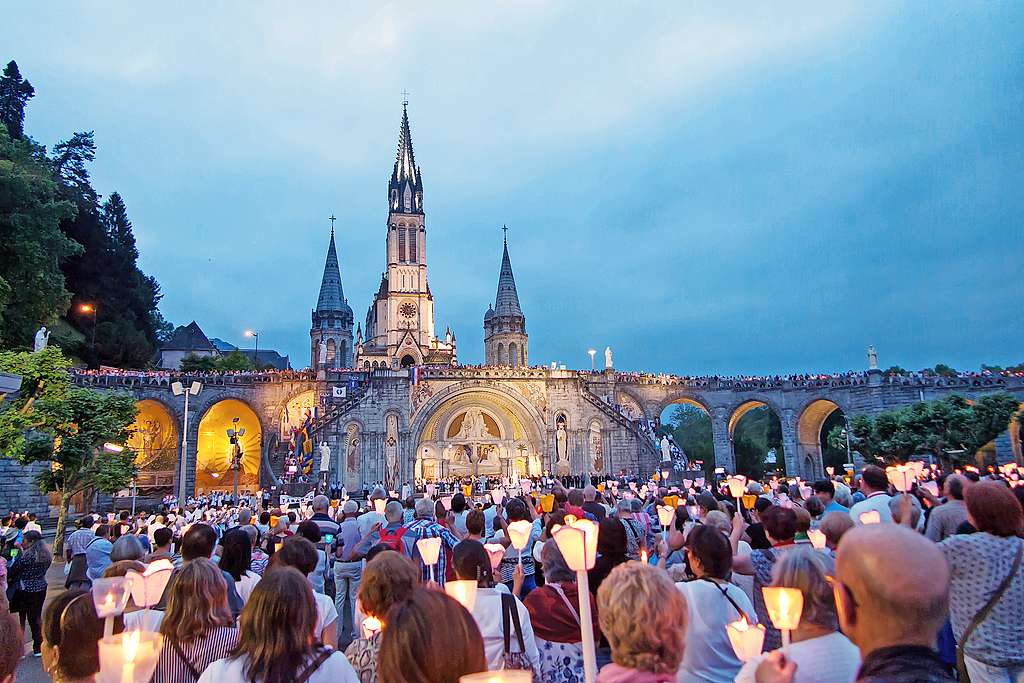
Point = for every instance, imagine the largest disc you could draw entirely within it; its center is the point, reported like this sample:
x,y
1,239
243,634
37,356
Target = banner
x,y
294,501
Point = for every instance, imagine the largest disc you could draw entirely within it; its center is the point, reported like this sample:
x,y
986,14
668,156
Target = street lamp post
x,y
91,308
592,353
178,389
256,352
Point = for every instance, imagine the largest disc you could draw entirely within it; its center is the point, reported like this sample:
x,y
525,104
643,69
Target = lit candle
x,y
817,538
784,606
129,657
870,517
900,476
746,640
110,597
577,540
505,676
519,535
666,514
643,555
737,487
429,549
547,502
370,626
463,591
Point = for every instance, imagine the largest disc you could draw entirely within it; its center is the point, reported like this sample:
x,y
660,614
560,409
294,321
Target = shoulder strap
x,y
508,610
504,622
185,660
513,609
725,591
990,605
321,656
572,610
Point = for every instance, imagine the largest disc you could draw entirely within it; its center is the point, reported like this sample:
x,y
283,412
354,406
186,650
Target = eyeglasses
x,y
841,591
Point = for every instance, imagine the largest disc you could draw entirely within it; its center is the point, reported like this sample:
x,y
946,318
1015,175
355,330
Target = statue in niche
x,y
872,358
322,353
666,449
391,454
473,426
352,451
325,457
561,449
596,447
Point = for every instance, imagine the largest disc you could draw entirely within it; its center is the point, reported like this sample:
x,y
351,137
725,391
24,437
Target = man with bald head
x,y
891,590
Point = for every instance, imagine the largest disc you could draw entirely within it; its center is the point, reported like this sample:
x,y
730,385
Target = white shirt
x,y
876,501
245,586
335,669
326,612
709,656
367,520
487,613
826,659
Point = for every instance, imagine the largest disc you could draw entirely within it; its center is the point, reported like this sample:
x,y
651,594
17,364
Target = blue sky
x,y
707,187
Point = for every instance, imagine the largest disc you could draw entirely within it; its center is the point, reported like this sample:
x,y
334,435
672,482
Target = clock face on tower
x,y
407,309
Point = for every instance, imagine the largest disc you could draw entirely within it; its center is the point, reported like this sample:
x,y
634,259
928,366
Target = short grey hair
x,y
716,519
424,508
589,493
844,497
321,503
393,511
806,569
128,547
378,492
349,507
555,568
915,510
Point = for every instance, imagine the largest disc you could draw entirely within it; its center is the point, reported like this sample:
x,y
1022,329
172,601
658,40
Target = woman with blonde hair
x,y
277,641
643,617
820,651
388,579
197,626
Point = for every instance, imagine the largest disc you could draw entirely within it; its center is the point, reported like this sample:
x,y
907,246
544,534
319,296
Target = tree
x,y
52,421
194,363
33,248
70,163
895,370
690,428
15,92
943,370
234,361
990,416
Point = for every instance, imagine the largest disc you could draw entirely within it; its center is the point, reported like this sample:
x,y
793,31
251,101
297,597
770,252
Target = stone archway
x,y
743,457
477,429
155,438
808,433
214,450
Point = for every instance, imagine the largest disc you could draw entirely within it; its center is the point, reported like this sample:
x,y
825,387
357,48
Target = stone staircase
x,y
645,441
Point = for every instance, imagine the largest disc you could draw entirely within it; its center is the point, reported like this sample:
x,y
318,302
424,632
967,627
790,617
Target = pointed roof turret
x,y
507,300
332,296
406,187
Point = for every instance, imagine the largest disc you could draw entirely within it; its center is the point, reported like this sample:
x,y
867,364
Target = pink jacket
x,y
613,673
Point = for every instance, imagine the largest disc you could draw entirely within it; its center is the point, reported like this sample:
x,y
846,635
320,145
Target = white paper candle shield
x,y
129,657
737,485
665,515
378,505
429,549
870,517
519,533
506,676
463,591
746,640
784,606
495,551
817,538
578,543
498,495
148,587
110,596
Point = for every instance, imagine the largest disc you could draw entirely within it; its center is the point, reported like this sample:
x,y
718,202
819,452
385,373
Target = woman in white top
x,y
299,552
277,640
822,654
712,603
471,562
719,520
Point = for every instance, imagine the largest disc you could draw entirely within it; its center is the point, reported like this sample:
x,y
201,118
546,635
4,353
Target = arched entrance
x,y
810,432
155,440
688,422
482,432
408,360
214,448
755,433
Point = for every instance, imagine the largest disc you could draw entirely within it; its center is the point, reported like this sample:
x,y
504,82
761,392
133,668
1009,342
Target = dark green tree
x,y
234,361
52,421
15,92
943,370
33,248
71,159
194,363
690,428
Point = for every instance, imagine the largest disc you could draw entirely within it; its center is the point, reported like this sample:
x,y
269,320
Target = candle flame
x,y
131,645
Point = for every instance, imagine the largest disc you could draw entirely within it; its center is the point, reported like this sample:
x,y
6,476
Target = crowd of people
x,y
898,581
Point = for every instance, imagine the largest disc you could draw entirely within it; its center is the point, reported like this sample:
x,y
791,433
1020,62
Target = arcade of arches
x,y
478,434
214,449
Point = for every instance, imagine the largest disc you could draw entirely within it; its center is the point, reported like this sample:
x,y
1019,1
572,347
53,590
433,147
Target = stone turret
x,y
332,318
505,338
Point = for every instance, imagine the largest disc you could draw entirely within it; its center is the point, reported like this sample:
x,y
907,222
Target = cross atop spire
x,y
507,300
332,296
504,229
405,98
332,219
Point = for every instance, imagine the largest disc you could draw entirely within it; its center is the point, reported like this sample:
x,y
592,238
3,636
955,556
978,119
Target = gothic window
x,y
407,203
366,365
412,244
513,355
331,349
401,245
394,199
502,358
342,353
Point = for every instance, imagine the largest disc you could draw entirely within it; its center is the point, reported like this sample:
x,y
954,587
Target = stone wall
x,y
18,488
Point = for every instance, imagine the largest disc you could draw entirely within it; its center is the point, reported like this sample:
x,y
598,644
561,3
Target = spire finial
x,y
332,219
504,229
405,98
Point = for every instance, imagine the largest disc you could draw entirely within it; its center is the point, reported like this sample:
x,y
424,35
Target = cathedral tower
x,y
505,338
400,322
332,318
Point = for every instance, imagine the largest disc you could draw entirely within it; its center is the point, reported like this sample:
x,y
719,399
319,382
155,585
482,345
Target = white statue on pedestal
x,y
872,358
666,449
322,353
325,457
561,451
608,358
41,340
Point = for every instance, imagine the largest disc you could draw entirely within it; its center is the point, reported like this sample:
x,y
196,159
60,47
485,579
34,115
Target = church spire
x,y
332,296
406,187
507,300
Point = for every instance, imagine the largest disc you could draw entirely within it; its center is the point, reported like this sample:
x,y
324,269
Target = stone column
x,y
787,420
724,456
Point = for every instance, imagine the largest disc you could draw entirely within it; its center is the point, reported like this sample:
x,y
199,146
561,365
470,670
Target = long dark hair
x,y
237,555
471,561
277,627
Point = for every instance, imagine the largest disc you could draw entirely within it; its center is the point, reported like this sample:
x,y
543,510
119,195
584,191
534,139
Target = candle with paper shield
x,y
110,597
498,495
746,640
737,487
506,676
547,502
519,536
577,539
666,514
495,551
784,605
463,591
900,476
378,505
817,538
870,517
429,549
370,626
129,657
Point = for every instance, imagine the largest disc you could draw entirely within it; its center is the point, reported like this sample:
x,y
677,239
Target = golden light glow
x,y
154,437
213,456
784,605
87,308
746,640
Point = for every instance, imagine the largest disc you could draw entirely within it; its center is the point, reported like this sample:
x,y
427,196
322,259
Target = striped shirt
x,y
428,528
201,652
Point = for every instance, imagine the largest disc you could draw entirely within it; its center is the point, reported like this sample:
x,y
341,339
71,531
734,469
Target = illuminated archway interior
x,y
214,449
154,439
294,413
